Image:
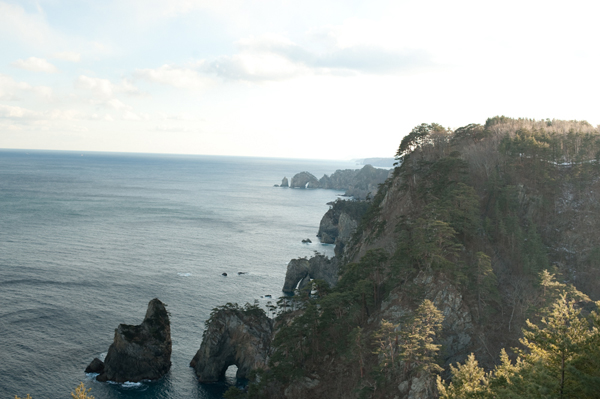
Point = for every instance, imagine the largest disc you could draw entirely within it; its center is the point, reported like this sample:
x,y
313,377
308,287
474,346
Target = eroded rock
x,y
304,180
234,336
141,352
297,270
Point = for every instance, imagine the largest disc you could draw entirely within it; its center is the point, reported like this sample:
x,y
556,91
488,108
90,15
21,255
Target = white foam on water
x,y
129,384
184,274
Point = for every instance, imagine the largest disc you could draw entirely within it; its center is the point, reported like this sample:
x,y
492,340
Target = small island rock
x,y
141,352
284,182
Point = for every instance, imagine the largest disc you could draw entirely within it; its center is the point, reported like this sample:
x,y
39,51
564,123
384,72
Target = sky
x,y
322,79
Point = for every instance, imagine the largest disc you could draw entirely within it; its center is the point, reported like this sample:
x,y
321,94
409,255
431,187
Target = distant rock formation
x,y
234,336
301,271
304,180
141,352
379,162
358,183
284,182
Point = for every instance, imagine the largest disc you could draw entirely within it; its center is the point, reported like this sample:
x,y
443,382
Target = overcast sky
x,y
301,79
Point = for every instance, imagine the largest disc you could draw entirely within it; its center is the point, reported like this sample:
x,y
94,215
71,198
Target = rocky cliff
x,y
340,222
141,352
468,221
233,336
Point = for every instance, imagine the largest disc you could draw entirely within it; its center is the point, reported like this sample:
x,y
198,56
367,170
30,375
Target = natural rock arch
x,y
234,336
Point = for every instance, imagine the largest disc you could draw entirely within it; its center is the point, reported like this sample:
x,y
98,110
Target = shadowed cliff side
x,y
233,336
141,352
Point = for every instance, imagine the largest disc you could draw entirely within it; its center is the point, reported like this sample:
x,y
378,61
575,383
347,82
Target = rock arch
x,y
234,336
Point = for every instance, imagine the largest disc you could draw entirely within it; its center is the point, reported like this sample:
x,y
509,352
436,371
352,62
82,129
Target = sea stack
x,y
284,182
141,352
234,336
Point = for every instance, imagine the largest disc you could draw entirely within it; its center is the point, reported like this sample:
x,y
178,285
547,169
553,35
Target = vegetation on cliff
x,y
484,223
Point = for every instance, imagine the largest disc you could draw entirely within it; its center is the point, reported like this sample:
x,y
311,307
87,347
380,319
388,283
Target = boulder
x,y
234,336
141,352
304,180
96,366
284,182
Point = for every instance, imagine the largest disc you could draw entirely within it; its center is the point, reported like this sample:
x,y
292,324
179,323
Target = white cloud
x,y
104,88
15,22
181,77
11,112
273,57
67,56
36,65
171,128
12,90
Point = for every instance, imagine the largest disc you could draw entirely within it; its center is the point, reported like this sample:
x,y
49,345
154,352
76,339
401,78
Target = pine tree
x,y
469,381
418,349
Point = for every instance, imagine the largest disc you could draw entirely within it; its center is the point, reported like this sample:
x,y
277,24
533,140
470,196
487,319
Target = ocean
x,y
88,239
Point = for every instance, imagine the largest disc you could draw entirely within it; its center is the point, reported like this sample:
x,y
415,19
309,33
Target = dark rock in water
x,y
307,241
96,366
224,274
141,352
284,182
297,269
275,185
240,273
304,180
234,336
268,296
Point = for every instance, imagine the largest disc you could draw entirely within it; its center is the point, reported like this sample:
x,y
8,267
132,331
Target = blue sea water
x,y
88,239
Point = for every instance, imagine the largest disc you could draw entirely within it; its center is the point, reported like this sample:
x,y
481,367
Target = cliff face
x,y
340,222
234,336
141,352
469,221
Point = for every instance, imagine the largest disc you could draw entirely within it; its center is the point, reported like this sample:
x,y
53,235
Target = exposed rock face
x,y
457,328
141,352
297,270
284,182
301,271
366,182
234,336
320,267
340,222
300,180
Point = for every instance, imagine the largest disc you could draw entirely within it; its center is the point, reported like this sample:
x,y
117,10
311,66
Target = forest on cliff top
x,y
472,274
